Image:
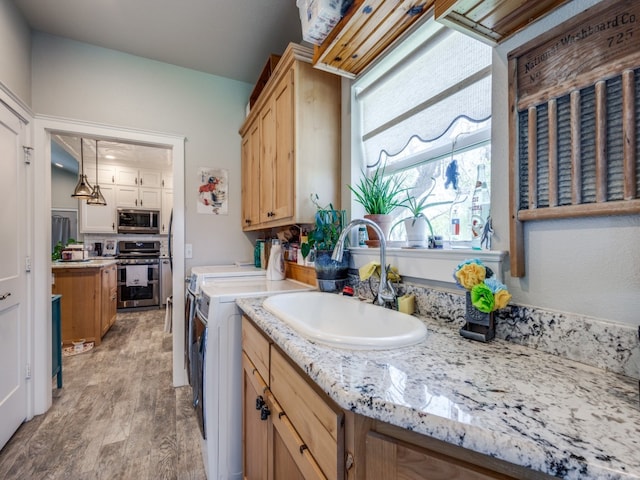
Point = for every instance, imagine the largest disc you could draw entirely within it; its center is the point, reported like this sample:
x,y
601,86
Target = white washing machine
x,y
199,275
219,367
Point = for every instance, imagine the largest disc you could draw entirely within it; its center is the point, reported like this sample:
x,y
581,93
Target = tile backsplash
x,y
606,345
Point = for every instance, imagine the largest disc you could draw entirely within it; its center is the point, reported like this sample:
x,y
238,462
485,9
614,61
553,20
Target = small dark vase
x,y
478,325
331,275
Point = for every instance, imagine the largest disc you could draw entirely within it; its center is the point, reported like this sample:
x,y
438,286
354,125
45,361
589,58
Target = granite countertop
x,y
90,263
511,402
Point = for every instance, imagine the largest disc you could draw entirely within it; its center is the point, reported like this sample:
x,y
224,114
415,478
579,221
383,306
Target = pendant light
x,y
83,189
97,198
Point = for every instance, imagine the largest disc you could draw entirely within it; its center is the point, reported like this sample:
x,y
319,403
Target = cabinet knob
x,y
5,296
113,226
259,402
264,412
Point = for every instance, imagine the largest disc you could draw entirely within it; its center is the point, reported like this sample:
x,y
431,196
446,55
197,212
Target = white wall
x,y
83,82
15,52
586,266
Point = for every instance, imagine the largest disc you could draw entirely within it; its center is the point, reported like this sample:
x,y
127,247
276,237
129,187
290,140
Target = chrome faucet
x,y
386,293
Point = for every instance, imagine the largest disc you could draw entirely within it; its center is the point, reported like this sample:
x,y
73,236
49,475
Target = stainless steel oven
x,y
138,274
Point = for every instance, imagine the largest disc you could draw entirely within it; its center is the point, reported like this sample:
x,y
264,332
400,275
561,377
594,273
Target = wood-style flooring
x,y
117,415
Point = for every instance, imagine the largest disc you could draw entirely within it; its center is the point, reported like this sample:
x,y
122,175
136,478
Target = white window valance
x,y
434,77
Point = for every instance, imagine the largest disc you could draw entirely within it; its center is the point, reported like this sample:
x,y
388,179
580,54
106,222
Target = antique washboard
x,y
574,99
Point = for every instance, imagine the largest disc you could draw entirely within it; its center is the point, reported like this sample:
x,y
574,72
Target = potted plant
x,y
418,226
379,195
329,222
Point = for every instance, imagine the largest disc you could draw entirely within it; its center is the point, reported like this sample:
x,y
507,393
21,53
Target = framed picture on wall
x,y
213,190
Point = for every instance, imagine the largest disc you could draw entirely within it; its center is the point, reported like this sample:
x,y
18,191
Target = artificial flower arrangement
x,y
487,292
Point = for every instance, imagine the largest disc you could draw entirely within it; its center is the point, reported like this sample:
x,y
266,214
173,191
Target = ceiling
x,y
229,38
66,152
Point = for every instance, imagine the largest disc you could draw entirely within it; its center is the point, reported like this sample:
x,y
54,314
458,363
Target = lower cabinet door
x,y
254,429
291,457
390,459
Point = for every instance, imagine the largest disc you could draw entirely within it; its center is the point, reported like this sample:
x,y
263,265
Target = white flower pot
x,y
417,232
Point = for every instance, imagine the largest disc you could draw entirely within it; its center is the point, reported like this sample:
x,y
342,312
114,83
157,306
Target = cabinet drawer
x,y
289,449
256,346
319,424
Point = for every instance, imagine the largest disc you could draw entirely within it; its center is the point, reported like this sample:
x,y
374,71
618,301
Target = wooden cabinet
x,y
291,431
88,303
291,144
251,176
100,218
366,31
388,458
492,21
109,298
255,431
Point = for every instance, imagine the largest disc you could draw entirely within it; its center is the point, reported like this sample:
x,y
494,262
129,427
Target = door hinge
x,y
27,154
27,264
28,374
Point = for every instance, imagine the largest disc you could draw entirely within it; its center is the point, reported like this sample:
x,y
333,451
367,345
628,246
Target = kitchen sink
x,y
346,322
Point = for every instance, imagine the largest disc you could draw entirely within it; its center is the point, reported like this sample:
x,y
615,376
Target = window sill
x,y
429,264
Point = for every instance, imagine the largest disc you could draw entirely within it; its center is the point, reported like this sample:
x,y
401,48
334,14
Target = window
x,y
424,112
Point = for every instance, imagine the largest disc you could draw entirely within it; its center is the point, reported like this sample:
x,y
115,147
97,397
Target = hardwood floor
x,y
116,417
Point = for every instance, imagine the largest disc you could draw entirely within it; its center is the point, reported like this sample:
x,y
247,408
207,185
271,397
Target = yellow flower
x,y
502,298
470,275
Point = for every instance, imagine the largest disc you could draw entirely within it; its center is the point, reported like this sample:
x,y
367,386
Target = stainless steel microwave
x,y
138,221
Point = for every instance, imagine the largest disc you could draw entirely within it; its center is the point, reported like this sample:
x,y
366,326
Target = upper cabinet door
x,y
150,198
284,182
99,218
167,180
127,176
106,175
150,178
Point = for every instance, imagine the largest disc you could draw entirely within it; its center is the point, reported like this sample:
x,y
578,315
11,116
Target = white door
x,y
13,188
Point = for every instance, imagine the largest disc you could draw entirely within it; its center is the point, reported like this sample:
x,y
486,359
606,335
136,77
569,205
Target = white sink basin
x,y
346,322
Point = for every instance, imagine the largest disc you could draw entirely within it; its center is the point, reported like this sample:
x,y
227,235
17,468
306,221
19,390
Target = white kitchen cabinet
x,y
99,218
106,175
139,197
150,178
165,213
128,176
167,180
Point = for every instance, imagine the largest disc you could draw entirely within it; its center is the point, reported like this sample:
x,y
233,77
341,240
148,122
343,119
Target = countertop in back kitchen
x,y
504,400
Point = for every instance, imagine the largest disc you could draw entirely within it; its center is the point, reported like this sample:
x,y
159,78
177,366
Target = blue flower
x,y
494,284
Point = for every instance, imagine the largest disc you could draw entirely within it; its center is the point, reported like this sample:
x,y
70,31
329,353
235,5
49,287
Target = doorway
x,y
44,128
